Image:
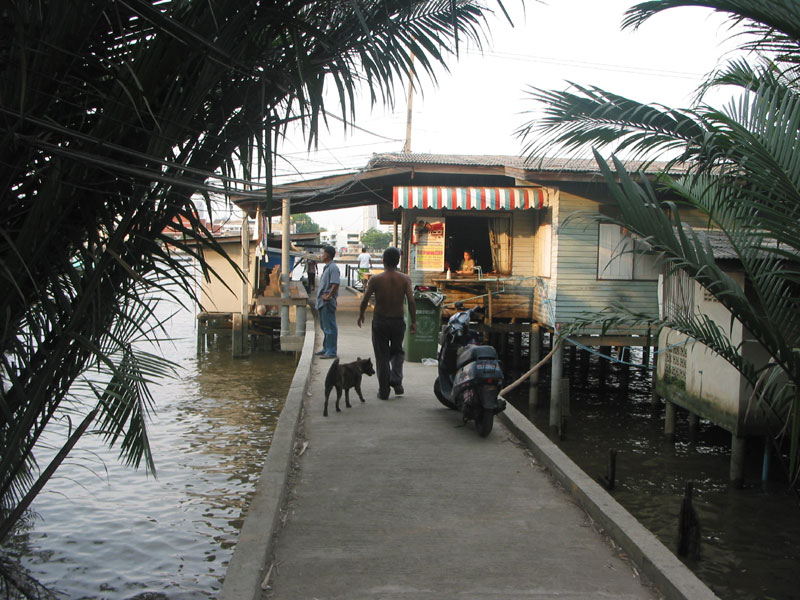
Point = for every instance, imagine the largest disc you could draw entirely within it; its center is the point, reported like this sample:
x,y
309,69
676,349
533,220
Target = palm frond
x,y
112,114
591,117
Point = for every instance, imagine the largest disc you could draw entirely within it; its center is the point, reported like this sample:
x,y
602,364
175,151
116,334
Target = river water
x,y
102,530
105,531
750,538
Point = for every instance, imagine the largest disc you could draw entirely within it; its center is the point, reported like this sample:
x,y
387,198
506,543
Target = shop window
x,y
488,238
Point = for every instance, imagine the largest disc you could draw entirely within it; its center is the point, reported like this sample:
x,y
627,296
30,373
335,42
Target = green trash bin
x,y
424,343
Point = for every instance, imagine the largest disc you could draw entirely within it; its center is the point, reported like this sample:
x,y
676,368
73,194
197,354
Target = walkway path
x,y
396,499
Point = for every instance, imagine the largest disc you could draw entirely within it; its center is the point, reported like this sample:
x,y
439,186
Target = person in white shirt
x,y
364,263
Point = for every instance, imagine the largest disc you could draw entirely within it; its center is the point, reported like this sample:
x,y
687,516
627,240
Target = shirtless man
x,y
388,324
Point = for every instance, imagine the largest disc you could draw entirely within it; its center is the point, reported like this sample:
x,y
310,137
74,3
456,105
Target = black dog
x,y
344,377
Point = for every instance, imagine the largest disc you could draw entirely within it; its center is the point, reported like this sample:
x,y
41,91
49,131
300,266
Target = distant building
x,y
233,226
370,218
343,241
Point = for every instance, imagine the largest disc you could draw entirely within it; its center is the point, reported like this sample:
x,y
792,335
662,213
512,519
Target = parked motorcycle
x,y
470,375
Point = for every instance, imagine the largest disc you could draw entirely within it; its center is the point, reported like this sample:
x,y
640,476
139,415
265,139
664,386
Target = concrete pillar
x,y
738,444
669,421
300,320
556,370
536,353
286,218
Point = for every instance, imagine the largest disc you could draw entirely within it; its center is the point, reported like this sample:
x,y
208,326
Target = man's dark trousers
x,y
387,343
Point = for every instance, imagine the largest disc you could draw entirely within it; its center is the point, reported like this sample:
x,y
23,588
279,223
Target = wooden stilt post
x,y
201,337
237,333
536,353
610,478
688,526
556,370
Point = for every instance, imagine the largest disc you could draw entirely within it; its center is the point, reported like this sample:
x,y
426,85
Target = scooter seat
x,y
471,353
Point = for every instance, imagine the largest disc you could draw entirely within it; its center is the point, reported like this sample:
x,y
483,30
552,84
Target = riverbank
x,y
394,499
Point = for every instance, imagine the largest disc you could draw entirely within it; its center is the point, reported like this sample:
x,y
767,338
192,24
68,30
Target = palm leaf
x,y
112,114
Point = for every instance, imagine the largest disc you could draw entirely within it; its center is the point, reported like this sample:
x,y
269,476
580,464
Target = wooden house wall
x,y
579,290
223,292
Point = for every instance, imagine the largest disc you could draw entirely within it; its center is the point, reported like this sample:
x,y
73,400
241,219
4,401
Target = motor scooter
x,y
470,374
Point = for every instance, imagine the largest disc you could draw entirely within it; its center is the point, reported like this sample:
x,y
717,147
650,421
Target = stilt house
x,y
510,213
535,268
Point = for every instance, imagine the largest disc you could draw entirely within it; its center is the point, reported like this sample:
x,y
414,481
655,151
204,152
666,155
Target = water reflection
x,y
106,531
749,545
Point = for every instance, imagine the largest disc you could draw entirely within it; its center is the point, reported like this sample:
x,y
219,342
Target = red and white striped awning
x,y
470,198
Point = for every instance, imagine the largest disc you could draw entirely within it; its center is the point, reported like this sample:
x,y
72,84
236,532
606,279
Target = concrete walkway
x,y
397,499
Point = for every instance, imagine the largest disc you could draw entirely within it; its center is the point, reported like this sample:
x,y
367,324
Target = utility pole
x,y
407,145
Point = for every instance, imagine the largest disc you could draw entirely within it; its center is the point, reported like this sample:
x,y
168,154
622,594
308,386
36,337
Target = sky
x,y
478,105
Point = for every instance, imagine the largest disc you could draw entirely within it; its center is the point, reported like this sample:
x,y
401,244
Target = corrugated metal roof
x,y
573,165
720,244
723,249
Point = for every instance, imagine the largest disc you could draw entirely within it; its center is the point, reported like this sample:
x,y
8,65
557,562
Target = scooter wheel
x,y
437,389
484,422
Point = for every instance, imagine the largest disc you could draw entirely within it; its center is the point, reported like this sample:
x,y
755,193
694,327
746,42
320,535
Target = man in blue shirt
x,y
327,293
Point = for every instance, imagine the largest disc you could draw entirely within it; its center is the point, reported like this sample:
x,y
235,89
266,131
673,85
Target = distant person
x,y
364,263
388,323
311,272
468,264
327,293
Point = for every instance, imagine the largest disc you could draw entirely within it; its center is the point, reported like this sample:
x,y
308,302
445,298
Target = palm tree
x,y
743,177
112,115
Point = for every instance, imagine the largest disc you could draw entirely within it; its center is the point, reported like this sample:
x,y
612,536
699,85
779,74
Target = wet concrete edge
x,y
247,567
664,570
